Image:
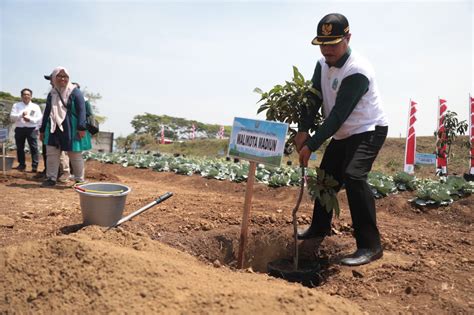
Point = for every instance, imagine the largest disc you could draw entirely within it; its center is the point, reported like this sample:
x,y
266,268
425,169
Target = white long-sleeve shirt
x,y
33,112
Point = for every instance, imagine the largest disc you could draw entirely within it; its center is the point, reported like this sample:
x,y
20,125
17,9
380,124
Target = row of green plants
x,y
209,168
428,192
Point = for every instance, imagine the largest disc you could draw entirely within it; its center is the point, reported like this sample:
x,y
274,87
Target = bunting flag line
x,y
441,157
410,144
471,134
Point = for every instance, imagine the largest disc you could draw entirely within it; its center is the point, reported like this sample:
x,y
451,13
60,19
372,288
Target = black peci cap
x,y
331,29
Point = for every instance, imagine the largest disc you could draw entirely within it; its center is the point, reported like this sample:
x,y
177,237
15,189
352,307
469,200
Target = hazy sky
x,y
202,59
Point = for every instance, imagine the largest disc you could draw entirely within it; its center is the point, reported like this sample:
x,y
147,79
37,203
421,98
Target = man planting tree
x,y
355,120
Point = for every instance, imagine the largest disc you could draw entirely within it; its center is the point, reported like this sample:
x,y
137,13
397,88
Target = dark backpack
x,y
92,125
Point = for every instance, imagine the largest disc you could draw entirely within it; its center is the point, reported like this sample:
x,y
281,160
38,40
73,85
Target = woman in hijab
x,y
64,127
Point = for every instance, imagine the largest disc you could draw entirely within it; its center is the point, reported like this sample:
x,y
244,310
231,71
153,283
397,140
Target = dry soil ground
x,y
50,262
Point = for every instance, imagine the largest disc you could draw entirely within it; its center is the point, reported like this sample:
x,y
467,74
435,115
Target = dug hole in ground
x,y
180,256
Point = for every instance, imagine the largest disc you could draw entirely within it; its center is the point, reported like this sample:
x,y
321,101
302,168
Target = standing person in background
x,y
27,116
64,127
43,147
64,167
356,121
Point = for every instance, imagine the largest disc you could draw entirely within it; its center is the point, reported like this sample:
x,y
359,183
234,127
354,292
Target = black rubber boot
x,y
313,232
362,256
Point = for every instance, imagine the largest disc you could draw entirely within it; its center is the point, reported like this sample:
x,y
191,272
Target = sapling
x,y
290,103
447,136
287,103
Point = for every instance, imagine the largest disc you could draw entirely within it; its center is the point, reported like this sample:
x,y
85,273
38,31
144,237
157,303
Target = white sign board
x,y
425,158
3,135
259,141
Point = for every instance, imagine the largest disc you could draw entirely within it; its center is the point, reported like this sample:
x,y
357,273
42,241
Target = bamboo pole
x,y
246,214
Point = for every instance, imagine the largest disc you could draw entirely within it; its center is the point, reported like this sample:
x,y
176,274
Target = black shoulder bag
x,y
92,125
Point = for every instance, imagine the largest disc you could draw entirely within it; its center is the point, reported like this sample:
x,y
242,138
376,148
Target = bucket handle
x,y
114,192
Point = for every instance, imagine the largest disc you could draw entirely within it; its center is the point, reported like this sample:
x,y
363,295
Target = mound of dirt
x,y
95,272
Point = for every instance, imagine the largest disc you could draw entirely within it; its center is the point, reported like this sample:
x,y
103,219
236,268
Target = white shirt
x,y
368,113
33,112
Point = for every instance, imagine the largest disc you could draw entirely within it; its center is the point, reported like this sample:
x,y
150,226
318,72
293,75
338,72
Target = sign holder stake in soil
x,y
4,164
3,139
245,217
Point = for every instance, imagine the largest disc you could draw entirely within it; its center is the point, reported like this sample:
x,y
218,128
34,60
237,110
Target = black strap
x,y
61,98
62,101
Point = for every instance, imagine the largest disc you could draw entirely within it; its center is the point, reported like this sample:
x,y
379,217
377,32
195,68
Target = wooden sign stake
x,y
245,217
4,160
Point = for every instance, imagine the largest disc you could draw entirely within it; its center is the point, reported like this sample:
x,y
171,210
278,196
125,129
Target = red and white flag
x,y
471,133
162,134
410,145
441,157
193,132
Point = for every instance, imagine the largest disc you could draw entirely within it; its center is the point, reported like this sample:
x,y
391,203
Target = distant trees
x,y
151,124
147,123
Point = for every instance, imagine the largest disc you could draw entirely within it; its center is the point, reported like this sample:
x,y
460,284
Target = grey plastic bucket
x,y
8,162
100,205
